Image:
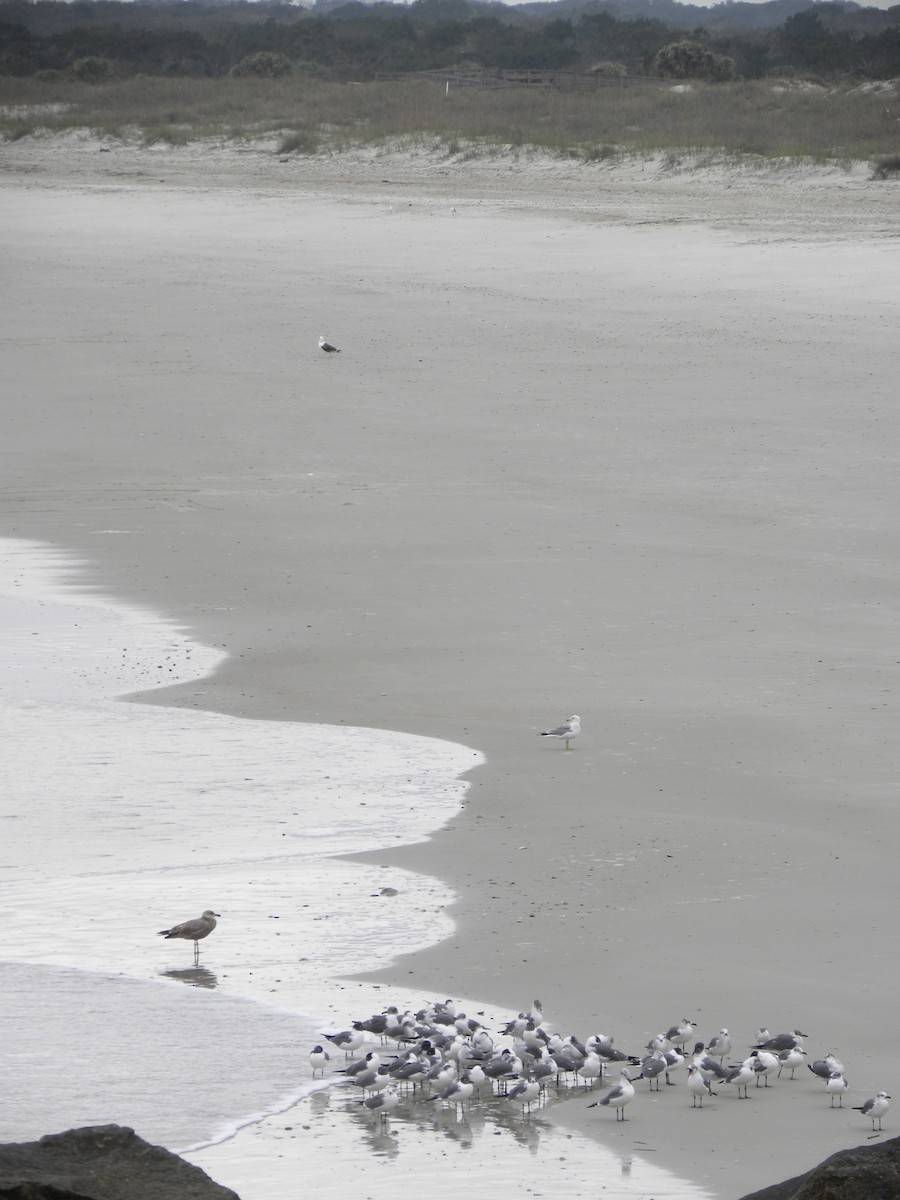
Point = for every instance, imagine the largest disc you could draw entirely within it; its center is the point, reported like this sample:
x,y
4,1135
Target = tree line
x,y
358,41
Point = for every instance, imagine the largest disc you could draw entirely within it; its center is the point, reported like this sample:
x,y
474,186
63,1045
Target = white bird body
x,y
875,1108
591,1068
533,1038
710,1068
741,1076
680,1035
382,1103
327,347
569,729
525,1092
476,1075
348,1040
617,1097
382,1079
837,1085
762,1062
652,1067
482,1042
371,1062
826,1067
720,1045
319,1059
674,1061
698,1086
457,1092
791,1058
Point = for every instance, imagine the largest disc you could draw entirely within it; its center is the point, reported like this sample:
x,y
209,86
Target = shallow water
x,y
120,819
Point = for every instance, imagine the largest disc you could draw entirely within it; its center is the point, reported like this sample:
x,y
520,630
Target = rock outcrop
x,y
863,1173
101,1162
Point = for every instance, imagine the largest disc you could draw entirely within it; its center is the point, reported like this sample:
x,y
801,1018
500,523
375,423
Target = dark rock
x,y
863,1173
101,1162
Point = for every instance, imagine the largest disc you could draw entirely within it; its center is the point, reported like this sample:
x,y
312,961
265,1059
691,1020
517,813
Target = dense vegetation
x,y
108,39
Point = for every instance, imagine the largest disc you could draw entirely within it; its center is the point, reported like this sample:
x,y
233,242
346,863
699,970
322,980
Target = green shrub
x,y
690,60
886,165
92,69
609,70
263,65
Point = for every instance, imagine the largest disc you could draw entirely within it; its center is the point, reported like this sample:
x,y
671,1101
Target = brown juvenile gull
x,y
193,931
327,346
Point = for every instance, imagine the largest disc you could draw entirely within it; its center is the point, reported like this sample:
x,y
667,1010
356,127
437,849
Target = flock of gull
x,y
440,1054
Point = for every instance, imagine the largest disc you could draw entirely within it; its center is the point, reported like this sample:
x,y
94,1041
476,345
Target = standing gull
x,y
791,1058
875,1108
698,1087
327,347
193,931
382,1103
619,1096
720,1045
319,1059
569,729
837,1085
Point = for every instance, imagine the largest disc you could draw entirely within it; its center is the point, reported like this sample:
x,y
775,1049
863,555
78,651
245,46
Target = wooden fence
x,y
498,77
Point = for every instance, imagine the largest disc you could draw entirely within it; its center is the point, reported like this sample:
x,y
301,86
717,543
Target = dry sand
x,y
618,441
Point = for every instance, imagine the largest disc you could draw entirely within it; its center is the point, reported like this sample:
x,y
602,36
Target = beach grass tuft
x,y
886,165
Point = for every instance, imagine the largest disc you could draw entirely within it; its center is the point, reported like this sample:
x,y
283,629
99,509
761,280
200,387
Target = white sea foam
x,y
119,819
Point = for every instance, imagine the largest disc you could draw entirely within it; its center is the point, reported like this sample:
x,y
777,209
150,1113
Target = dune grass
x,y
306,115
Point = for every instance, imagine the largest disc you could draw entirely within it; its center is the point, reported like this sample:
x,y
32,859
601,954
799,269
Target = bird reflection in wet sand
x,y
320,1102
194,976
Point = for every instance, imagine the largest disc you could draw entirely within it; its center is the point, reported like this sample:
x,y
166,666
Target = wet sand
x,y
615,442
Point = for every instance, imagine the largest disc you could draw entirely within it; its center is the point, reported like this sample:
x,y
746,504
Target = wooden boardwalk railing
x,y
498,77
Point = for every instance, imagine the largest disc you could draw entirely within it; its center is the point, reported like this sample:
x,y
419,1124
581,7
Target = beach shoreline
x,y
117,812
595,443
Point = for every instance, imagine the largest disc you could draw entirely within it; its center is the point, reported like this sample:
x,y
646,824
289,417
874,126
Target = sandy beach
x,y
619,441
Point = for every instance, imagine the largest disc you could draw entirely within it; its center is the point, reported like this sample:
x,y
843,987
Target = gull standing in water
x,y
193,931
617,1097
382,1103
569,729
525,1092
348,1040
875,1108
319,1059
